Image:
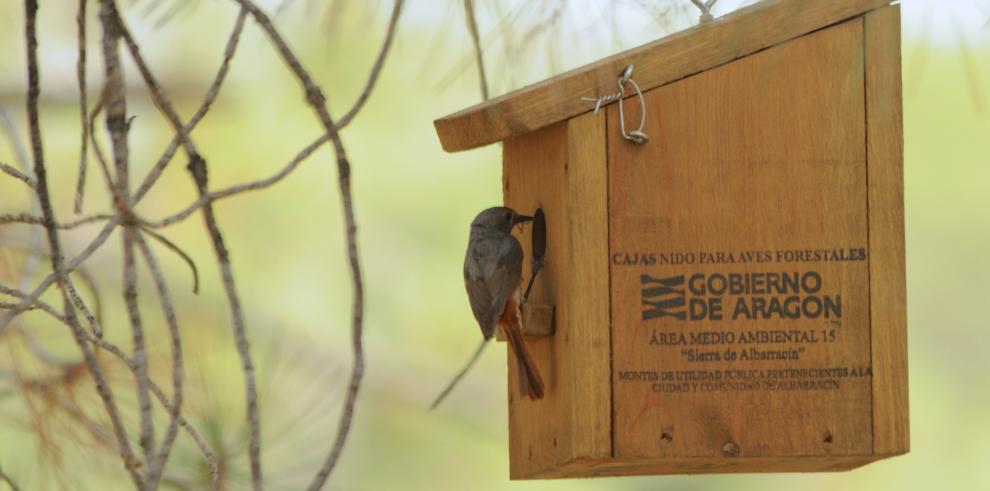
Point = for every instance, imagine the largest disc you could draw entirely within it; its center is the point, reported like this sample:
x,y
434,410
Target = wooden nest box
x,y
729,294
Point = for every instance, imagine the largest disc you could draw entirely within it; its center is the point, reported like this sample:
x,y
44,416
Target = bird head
x,y
500,219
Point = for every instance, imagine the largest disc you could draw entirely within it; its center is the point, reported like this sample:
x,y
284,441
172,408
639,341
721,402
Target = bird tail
x,y
530,380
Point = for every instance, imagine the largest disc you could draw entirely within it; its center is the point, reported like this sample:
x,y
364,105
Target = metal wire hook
x,y
706,10
637,135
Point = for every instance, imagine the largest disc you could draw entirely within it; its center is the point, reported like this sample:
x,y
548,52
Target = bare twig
x,y
315,98
33,261
6,290
31,12
16,174
197,167
24,218
34,92
171,407
83,102
67,268
9,305
147,439
129,362
309,149
472,23
15,142
178,251
457,378
87,279
115,99
154,88
10,482
198,170
97,149
208,454
204,107
177,369
242,188
117,125
82,273
376,69
508,41
509,21
94,322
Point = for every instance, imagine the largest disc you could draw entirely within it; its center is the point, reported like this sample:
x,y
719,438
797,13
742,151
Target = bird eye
x,y
508,216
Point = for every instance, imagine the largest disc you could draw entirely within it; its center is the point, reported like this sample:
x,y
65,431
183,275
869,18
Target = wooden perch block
x,y
537,321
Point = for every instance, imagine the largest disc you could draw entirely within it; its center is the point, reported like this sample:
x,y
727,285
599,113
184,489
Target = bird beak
x,y
521,219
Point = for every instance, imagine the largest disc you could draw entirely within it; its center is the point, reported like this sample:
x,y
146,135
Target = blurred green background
x,y
413,205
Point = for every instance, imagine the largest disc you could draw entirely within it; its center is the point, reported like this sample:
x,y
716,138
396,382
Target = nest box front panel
x,y
561,170
740,276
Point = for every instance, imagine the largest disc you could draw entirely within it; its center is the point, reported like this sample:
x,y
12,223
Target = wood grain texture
x,y
561,169
891,433
674,57
794,148
589,339
537,321
767,153
533,170
634,466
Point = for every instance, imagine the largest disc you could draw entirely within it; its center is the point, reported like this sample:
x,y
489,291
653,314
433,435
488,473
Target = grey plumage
x,y
492,274
492,266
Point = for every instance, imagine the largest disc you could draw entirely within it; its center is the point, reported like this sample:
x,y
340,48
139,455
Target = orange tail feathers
x,y
530,380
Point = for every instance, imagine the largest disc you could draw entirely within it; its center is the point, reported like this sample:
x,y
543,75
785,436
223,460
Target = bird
x,y
492,274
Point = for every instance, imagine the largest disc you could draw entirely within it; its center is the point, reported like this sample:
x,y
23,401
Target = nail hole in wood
x,y
730,450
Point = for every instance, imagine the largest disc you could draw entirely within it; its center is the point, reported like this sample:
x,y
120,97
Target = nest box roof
x,y
674,57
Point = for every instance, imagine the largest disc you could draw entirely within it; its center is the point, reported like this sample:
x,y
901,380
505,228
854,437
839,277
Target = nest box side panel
x,y
739,266
886,203
562,169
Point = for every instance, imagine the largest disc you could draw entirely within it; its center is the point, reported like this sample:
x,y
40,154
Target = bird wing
x,y
508,271
481,303
491,274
